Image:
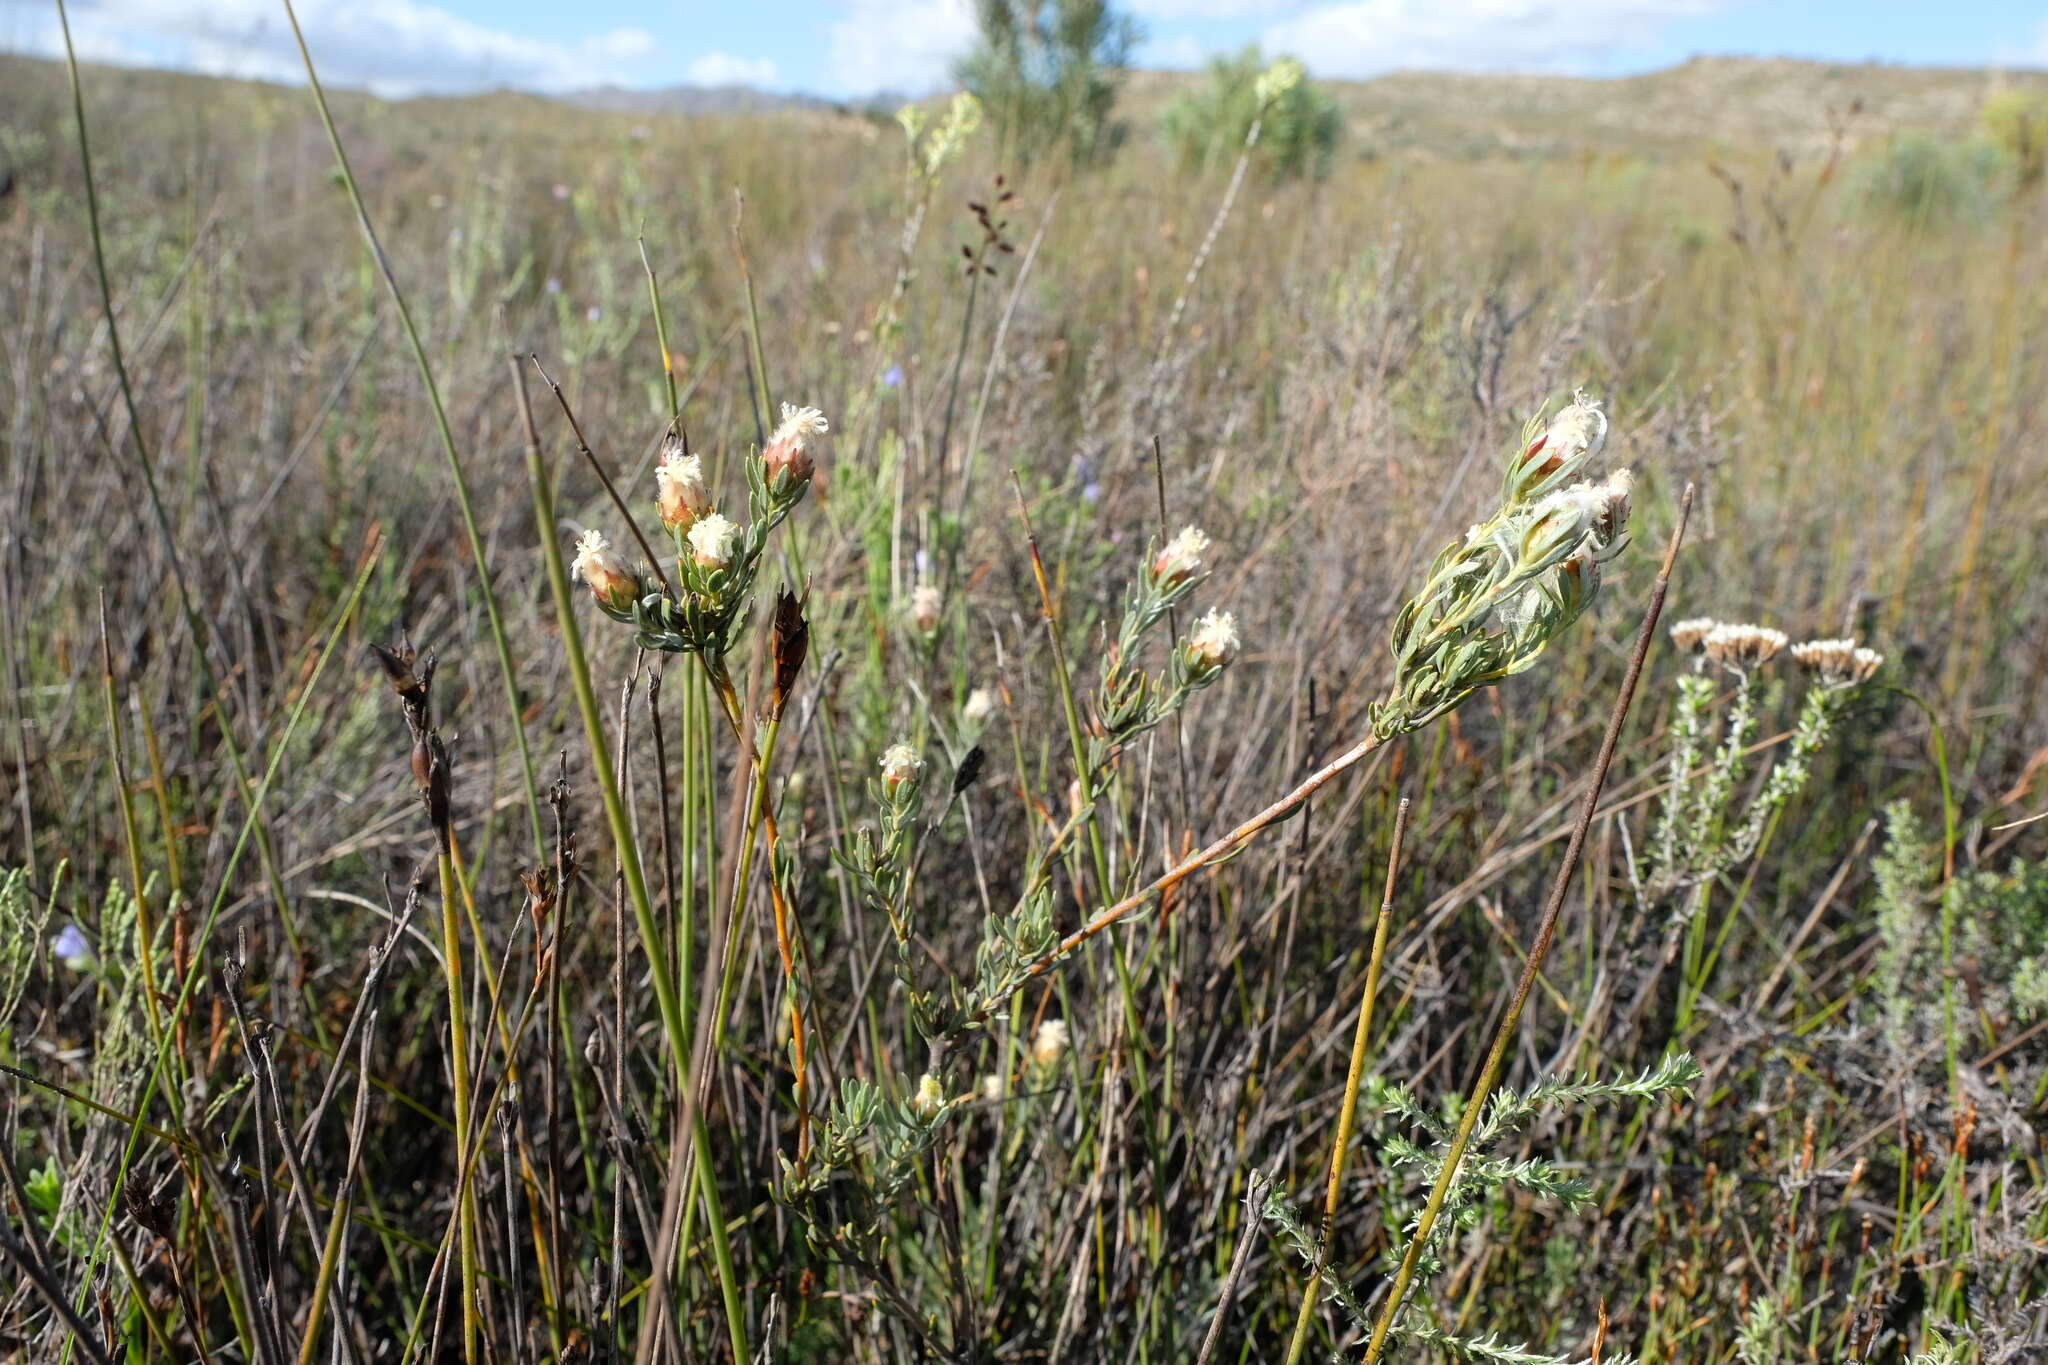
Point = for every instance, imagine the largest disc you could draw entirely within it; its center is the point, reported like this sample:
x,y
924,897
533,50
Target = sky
x,y
857,48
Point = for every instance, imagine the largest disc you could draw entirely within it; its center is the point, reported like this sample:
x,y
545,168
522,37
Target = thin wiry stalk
x,y
667,1001
1546,928
486,588
1340,1146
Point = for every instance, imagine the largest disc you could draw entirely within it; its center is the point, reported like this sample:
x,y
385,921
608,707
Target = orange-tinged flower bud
x,y
611,582
785,453
682,495
1180,558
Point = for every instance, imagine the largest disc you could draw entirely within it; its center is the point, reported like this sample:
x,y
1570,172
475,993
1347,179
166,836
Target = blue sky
x,y
859,47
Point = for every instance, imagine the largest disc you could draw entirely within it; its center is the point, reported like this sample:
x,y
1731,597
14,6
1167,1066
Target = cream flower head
x,y
681,492
1180,558
1049,1042
598,565
1213,642
900,764
714,540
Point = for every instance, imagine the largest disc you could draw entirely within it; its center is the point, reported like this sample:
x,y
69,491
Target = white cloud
x,y
394,47
722,69
1208,9
1368,37
1183,52
905,46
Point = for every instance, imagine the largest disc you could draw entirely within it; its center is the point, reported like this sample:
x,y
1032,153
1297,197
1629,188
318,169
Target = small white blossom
x,y
1691,633
981,704
714,540
598,565
1838,663
683,497
926,606
799,425
785,454
1180,558
1213,642
1049,1042
900,764
1744,646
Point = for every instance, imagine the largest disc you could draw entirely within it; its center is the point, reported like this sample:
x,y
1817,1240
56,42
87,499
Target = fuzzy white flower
x,y
1180,558
597,564
992,1087
926,605
1049,1042
981,704
1744,646
1213,642
900,764
1839,663
682,495
1691,633
714,540
785,453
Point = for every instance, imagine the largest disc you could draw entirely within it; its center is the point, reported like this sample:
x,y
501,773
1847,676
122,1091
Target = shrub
x,y
1298,134
1048,74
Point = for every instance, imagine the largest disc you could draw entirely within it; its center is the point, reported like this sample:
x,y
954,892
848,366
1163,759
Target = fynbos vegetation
x,y
808,738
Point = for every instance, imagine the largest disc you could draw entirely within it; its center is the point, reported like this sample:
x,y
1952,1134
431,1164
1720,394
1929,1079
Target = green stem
x,y
506,667
1312,1287
667,1000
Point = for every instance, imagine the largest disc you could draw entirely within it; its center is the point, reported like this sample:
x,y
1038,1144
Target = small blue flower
x,y
892,377
71,947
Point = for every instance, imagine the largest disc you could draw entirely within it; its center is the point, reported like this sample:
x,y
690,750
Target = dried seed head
x,y
713,541
1213,642
1837,663
1180,558
1049,1042
980,705
1744,646
785,454
1573,439
597,564
927,604
681,492
789,644
1691,634
900,764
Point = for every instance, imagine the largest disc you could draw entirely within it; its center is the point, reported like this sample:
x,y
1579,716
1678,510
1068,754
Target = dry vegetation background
x,y
1817,294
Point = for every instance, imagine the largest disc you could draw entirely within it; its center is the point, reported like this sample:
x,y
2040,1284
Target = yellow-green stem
x,y
1348,1113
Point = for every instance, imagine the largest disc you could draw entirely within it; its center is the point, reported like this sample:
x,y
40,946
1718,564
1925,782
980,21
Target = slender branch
x,y
1546,928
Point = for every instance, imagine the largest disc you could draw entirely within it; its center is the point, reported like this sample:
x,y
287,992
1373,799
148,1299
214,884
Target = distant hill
x,y
692,99
1777,101
1735,101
